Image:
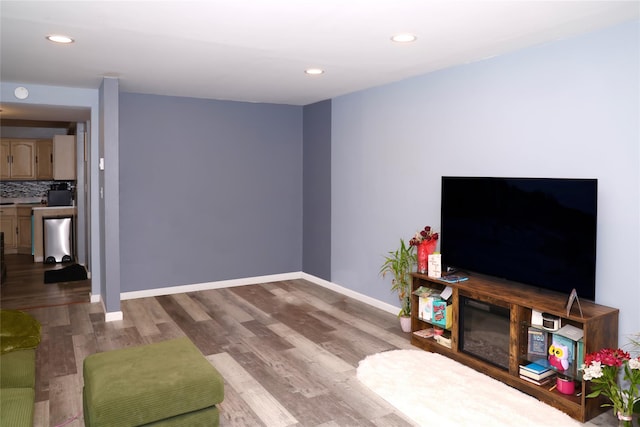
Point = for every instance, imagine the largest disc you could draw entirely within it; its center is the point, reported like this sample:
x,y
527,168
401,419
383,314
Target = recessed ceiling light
x,y
314,71
404,38
57,38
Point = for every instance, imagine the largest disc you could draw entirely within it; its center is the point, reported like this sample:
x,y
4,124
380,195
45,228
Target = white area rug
x,y
434,390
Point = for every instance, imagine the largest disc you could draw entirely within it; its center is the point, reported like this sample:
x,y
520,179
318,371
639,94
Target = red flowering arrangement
x,y
425,241
423,235
602,368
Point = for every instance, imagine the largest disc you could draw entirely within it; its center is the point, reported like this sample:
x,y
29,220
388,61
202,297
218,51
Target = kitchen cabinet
x,y
44,159
24,229
5,159
64,157
9,226
18,159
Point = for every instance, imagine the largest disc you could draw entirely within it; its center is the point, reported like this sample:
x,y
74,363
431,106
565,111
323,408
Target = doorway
x,y
24,285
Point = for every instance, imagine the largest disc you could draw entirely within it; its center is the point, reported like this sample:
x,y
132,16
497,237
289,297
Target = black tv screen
x,y
536,231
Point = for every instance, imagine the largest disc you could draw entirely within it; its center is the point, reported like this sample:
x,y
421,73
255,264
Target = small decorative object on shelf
x,y
425,241
561,353
565,385
435,265
537,341
602,369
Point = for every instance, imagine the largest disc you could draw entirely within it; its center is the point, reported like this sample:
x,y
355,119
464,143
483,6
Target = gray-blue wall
x,y
563,109
108,178
209,190
316,236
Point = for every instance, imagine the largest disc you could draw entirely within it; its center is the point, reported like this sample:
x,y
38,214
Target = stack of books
x,y
537,372
424,333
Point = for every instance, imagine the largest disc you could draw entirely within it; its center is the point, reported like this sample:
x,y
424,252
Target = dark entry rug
x,y
71,273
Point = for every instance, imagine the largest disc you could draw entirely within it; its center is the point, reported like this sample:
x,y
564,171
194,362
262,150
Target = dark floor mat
x,y
71,273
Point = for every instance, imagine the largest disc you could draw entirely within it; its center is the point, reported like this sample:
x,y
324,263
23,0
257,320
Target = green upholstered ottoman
x,y
18,369
164,384
16,407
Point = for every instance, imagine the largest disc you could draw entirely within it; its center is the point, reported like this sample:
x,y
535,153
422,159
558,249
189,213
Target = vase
x,y
405,323
624,419
425,248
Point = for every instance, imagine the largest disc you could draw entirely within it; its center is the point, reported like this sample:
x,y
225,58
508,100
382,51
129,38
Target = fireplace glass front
x,y
484,331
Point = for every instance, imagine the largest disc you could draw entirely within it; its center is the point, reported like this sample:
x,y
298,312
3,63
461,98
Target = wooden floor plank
x,y
191,307
141,316
261,402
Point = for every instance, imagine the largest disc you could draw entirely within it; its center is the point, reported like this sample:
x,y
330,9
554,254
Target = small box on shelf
x,y
444,341
441,314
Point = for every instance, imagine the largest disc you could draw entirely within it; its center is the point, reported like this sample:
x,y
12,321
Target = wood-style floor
x,y
288,350
24,285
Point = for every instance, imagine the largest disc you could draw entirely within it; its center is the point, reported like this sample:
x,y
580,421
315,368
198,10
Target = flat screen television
x,y
536,231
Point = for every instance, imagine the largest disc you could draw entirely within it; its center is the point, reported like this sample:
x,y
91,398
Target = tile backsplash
x,y
24,189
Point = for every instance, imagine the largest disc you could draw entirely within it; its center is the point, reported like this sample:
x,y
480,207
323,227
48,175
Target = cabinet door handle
x,y
36,159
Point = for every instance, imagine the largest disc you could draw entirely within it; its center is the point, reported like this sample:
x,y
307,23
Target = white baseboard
x,y
352,294
208,285
109,316
112,316
117,315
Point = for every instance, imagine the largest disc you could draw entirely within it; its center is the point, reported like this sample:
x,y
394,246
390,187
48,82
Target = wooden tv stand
x,y
599,324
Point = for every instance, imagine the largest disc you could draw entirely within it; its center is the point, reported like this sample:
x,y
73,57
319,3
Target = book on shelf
x,y
571,332
441,315
579,353
545,381
453,279
538,341
424,291
424,333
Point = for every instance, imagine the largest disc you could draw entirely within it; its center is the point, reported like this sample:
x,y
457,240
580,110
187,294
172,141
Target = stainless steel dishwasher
x,y
58,239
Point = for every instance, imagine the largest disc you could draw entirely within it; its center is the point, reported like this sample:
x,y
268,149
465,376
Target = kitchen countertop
x,y
35,203
34,206
37,208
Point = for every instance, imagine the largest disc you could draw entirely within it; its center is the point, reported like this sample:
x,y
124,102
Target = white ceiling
x,y
257,50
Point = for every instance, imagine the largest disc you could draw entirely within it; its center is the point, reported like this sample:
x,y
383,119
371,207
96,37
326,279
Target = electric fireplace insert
x,y
484,331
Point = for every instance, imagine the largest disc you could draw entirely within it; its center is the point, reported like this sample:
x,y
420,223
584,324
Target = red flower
x,y
608,357
423,235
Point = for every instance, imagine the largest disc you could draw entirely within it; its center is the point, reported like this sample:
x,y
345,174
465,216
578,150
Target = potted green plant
x,y
399,264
